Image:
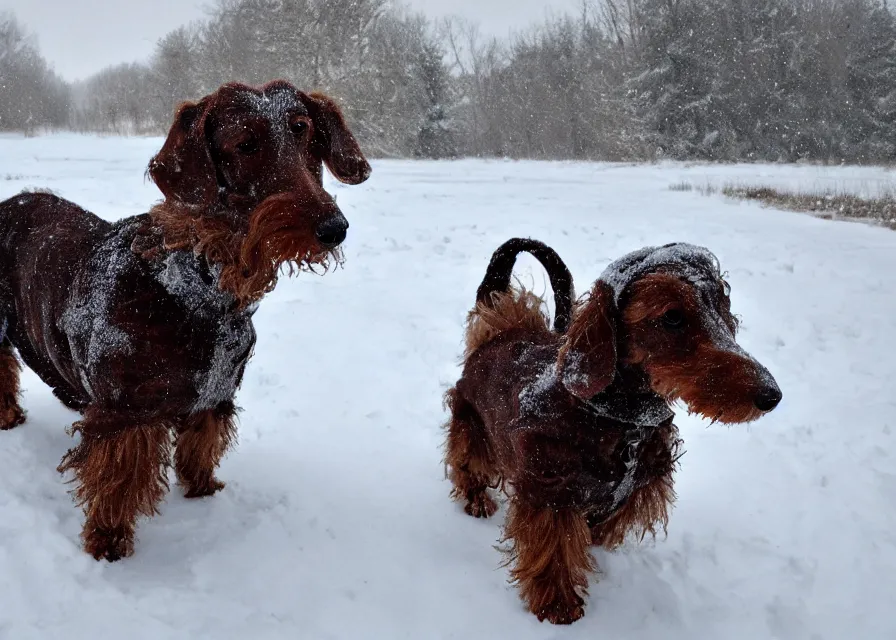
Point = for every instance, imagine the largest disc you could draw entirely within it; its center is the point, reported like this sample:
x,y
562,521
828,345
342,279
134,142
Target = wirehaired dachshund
x,y
144,325
574,423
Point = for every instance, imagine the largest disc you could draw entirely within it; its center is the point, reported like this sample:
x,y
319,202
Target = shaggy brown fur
x,y
470,465
592,339
146,324
250,257
647,510
575,425
202,440
121,471
514,309
551,560
696,379
11,414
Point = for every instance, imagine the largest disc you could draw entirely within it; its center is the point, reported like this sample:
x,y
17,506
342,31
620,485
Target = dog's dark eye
x,y
248,147
299,127
673,319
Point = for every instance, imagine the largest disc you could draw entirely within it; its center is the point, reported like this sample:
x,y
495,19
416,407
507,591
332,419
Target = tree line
x,y
773,80
31,95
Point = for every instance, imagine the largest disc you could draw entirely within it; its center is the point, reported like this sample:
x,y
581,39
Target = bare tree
x,y
31,95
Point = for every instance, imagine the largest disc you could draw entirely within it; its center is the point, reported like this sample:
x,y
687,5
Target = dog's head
x,y
667,311
256,155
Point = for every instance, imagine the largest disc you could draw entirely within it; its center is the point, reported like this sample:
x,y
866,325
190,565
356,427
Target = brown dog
x,y
145,325
576,424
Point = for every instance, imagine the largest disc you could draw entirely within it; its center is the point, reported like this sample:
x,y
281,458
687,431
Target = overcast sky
x,y
79,37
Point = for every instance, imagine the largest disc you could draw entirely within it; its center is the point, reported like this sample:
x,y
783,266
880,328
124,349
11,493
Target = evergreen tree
x,y
436,138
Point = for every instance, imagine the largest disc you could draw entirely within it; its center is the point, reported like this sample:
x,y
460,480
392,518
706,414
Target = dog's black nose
x,y
332,232
767,398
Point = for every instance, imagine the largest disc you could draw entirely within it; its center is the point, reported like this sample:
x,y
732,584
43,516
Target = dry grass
x,y
702,189
828,205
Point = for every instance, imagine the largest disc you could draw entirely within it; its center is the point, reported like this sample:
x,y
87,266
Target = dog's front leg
x,y
647,509
550,559
202,440
120,468
11,414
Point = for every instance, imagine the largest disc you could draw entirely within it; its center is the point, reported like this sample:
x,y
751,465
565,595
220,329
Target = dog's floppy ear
x,y
333,143
587,360
183,169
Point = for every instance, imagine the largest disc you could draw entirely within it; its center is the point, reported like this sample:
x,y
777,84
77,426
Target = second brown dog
x,y
575,424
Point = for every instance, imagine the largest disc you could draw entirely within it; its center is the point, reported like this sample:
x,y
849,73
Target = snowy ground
x,y
336,521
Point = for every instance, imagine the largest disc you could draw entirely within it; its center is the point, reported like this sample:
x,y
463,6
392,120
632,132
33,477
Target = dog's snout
x,y
767,398
332,232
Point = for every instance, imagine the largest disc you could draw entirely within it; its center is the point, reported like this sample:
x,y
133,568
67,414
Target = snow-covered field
x,y
336,521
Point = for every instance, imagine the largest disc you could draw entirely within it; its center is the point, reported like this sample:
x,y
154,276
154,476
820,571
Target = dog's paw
x,y
209,488
481,506
11,416
109,544
562,612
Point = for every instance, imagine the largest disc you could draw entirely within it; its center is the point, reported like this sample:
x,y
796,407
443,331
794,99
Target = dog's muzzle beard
x,y
282,231
722,389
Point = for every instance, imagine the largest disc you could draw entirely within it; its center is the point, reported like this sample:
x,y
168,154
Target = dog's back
x,y
42,218
45,242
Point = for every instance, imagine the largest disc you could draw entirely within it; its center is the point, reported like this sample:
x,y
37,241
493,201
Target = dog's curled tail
x,y
500,307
